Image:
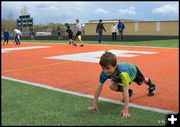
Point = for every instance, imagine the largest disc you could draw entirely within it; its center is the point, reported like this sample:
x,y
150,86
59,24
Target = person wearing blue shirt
x,y
6,36
120,28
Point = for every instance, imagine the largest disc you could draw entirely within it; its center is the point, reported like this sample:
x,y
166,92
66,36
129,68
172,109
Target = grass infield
x,y
23,104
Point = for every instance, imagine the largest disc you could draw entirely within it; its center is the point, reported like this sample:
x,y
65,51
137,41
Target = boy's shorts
x,y
78,35
70,36
139,77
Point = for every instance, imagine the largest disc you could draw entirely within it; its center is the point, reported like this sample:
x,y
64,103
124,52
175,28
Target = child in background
x,y
59,33
6,36
122,75
78,33
70,34
17,34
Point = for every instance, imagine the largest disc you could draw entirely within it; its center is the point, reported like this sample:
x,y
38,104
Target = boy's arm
x,y
124,112
94,103
126,80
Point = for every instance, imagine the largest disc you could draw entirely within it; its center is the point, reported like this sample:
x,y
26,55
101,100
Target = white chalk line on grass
x,y
90,96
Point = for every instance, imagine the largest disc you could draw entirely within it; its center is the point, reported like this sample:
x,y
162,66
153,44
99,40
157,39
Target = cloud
x,y
99,10
167,9
129,11
79,9
44,12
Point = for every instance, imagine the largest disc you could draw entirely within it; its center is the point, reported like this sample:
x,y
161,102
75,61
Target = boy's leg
x,y
152,86
140,79
16,39
4,41
80,39
7,40
69,40
117,87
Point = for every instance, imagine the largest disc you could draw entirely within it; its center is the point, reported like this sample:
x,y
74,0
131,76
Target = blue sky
x,y
68,12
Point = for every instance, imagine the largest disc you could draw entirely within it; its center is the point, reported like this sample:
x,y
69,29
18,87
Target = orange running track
x,y
31,65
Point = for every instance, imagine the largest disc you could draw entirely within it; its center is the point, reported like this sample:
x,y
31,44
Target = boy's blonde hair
x,y
108,58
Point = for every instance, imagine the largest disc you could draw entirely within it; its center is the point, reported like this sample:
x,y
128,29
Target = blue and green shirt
x,y
125,73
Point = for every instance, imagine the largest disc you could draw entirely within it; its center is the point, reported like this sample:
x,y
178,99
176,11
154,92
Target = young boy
x,y
78,32
70,34
17,34
120,73
59,33
6,36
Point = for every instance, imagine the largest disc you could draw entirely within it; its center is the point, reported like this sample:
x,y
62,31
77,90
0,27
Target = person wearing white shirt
x,y
114,31
78,33
17,34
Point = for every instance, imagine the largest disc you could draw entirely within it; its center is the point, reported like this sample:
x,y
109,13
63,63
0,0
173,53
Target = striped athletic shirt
x,y
125,73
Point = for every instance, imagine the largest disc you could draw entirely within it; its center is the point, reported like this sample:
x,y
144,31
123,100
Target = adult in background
x,y
17,34
99,30
120,28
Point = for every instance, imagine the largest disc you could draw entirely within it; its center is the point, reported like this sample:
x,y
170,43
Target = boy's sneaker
x,y
75,44
81,45
151,90
130,93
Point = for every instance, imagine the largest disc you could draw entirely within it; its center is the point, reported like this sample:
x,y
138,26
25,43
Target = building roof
x,y
114,20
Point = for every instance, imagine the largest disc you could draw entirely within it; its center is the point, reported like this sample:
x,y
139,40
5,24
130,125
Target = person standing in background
x,y
121,28
113,30
99,30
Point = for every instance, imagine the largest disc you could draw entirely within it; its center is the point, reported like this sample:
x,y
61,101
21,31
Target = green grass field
x,y
29,105
174,43
23,104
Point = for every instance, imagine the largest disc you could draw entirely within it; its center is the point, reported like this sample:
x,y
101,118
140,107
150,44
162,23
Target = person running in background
x,y
17,34
59,33
78,33
99,30
70,34
6,36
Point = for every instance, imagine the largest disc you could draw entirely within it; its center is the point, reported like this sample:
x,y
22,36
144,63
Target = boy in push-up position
x,y
122,74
